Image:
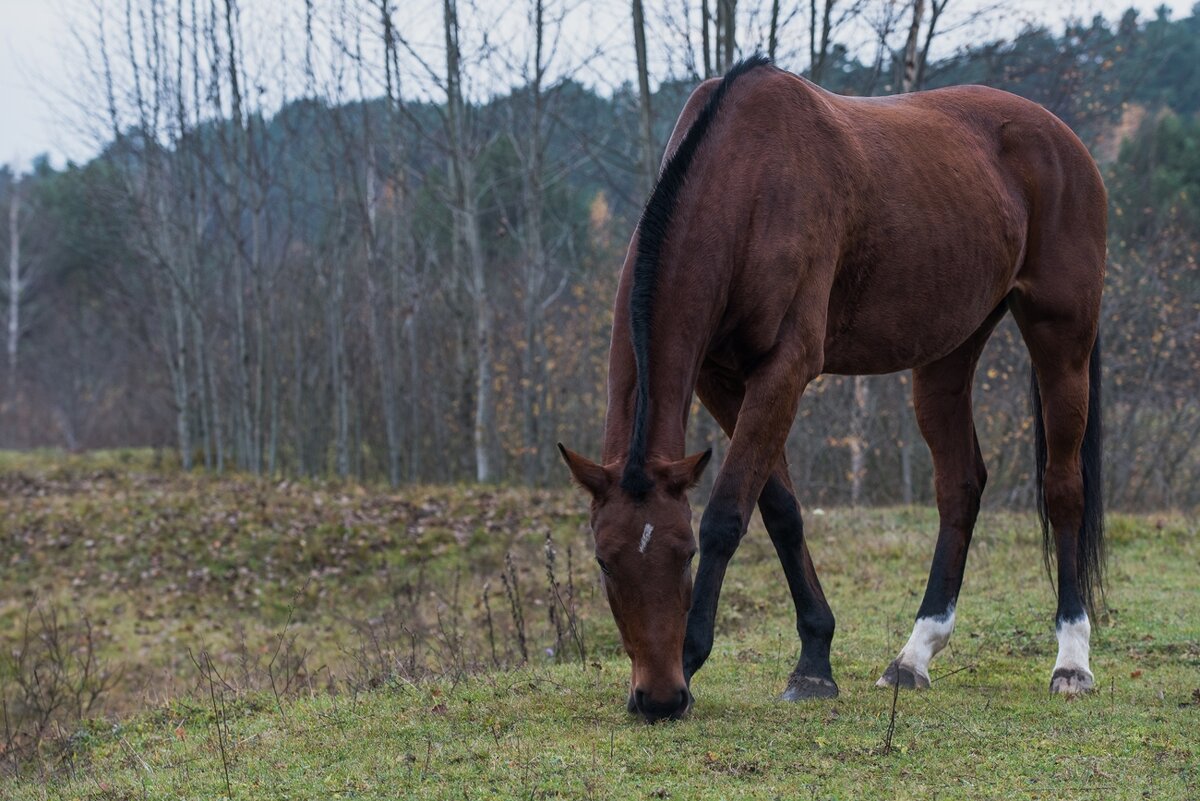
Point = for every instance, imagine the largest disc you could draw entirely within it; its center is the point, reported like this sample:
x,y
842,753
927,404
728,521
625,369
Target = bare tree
x,y
649,170
404,284
16,281
726,34
818,44
858,441
466,215
773,36
706,21
908,78
936,7
823,26
534,262
883,21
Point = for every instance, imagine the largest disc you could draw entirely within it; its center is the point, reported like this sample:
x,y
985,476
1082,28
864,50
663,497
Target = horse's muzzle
x,y
653,710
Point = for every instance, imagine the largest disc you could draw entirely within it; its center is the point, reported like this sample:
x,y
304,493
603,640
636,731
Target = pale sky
x,y
40,60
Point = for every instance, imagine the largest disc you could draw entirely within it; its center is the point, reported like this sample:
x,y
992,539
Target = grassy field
x,y
267,640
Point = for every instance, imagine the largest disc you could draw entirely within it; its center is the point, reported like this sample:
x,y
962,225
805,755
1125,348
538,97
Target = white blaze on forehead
x,y
646,532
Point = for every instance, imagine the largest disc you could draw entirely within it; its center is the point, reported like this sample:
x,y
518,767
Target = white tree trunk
x,y
858,439
337,368
467,219
484,409
14,281
380,341
907,435
179,377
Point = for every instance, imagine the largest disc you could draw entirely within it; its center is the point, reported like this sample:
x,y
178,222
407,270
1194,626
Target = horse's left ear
x,y
681,476
586,473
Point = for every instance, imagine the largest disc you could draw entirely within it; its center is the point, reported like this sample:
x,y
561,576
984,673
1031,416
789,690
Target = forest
x,y
368,242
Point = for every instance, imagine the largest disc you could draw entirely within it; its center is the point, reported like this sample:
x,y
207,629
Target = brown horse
x,y
794,232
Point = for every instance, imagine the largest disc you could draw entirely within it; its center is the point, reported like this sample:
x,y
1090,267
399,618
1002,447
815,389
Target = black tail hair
x,y
1090,554
652,231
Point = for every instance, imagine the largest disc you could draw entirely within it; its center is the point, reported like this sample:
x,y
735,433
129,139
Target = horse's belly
x,y
891,326
877,350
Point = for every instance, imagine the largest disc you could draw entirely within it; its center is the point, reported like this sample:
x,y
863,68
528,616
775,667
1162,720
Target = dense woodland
x,y
365,257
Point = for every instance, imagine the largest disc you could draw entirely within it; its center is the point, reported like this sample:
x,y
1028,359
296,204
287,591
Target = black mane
x,y
652,232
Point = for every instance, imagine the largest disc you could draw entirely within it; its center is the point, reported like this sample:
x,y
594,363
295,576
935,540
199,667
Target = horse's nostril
x,y
653,710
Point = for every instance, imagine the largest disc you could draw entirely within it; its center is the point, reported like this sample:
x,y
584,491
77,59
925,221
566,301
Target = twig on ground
x,y
887,740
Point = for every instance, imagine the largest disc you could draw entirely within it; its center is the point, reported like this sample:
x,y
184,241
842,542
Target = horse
x,y
794,232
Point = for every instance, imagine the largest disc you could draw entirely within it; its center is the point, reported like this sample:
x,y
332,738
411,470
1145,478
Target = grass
x,y
381,595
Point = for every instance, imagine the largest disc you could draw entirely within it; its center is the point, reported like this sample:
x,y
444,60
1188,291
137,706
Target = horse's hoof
x,y
804,688
904,676
1072,682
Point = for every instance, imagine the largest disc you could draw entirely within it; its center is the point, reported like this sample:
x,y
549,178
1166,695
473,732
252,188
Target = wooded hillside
x,y
402,269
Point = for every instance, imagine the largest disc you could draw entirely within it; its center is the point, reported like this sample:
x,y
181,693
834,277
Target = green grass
x,y
447,728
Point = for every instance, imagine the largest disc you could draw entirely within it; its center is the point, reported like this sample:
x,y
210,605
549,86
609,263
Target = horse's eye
x,y
603,567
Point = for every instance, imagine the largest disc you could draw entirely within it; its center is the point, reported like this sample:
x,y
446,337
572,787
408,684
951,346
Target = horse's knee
x,y
721,530
781,515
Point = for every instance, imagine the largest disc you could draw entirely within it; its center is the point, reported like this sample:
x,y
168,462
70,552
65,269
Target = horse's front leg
x,y
772,394
813,675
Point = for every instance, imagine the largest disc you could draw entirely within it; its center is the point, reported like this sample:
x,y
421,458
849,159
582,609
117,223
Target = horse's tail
x,y
1089,566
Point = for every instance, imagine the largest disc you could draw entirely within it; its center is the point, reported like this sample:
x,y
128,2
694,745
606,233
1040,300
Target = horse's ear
x,y
586,473
681,476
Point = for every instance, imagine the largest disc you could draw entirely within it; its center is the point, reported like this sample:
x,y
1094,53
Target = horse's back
x,y
944,193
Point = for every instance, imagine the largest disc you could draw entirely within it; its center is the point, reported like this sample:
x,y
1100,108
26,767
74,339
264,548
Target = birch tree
x,y
17,281
466,217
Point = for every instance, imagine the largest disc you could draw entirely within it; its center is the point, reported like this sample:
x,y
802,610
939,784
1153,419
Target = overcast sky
x,y
38,56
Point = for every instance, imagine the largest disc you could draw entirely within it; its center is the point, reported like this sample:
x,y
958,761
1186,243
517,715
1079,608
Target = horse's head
x,y
644,546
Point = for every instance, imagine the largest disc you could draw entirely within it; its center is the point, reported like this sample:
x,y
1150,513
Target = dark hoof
x,y
804,688
1071,682
904,676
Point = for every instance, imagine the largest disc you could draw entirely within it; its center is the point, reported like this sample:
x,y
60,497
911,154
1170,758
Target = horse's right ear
x,y
586,473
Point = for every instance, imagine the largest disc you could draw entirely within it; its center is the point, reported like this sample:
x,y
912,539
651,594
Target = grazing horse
x,y
794,232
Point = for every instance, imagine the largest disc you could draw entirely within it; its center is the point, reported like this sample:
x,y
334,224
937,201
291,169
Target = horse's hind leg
x,y
1056,303
942,401
1061,349
813,675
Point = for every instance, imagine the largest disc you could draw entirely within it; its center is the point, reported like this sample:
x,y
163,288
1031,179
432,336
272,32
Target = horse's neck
x,y
672,384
